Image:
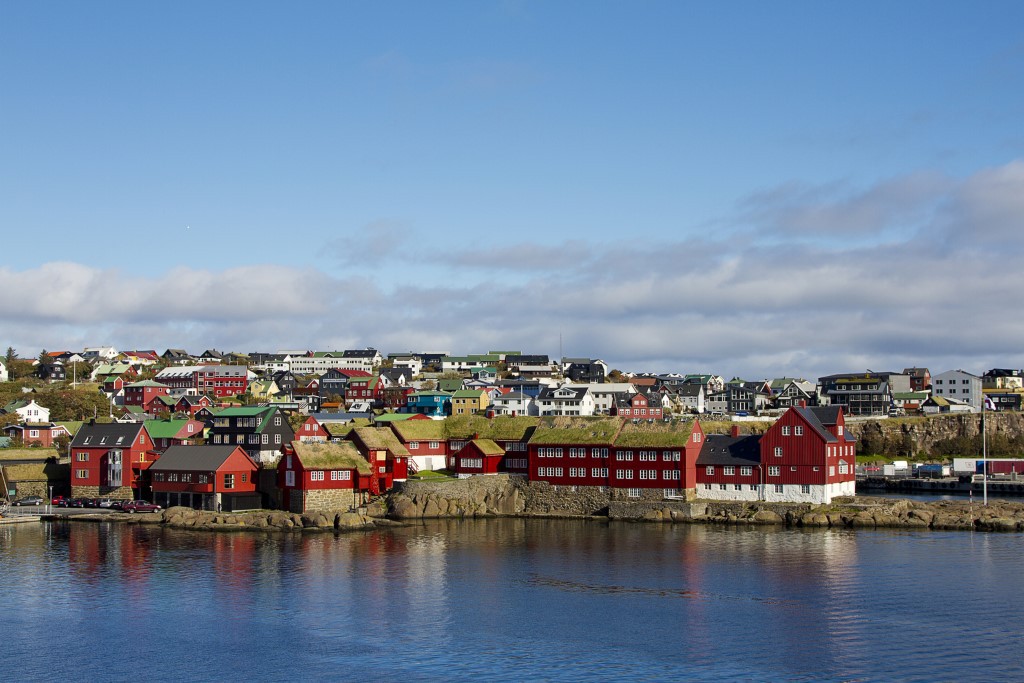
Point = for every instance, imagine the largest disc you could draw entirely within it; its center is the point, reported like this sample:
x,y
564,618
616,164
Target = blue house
x,y
429,403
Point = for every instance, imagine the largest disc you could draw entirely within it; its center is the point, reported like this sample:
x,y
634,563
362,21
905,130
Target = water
x,y
510,600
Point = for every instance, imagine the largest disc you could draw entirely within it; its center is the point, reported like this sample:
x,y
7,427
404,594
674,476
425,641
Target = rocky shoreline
x,y
484,497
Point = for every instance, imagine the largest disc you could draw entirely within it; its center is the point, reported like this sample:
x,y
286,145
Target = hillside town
x,y
315,430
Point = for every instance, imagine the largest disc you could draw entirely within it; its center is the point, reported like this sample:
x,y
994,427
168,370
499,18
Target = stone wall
x,y
114,492
324,499
920,434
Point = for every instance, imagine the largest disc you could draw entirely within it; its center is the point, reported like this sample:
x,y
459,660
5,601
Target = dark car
x,y
133,506
28,500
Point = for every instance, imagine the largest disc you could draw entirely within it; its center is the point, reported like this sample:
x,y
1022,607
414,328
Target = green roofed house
x,y
323,477
166,433
385,453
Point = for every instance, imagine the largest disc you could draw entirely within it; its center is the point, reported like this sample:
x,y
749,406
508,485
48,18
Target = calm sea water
x,y
511,600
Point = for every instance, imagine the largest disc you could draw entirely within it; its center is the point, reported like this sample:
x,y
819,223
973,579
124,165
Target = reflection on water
x,y
512,599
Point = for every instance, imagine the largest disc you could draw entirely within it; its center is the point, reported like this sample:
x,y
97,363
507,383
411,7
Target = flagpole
x,y
984,455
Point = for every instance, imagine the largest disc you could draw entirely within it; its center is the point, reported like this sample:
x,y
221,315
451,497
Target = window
x,y
696,437
648,474
475,463
746,470
229,481
671,474
82,457
599,452
599,472
723,487
738,487
434,444
82,474
633,493
245,477
577,471
843,468
839,430
414,445
624,474
785,430
277,439
831,470
624,455
798,430
753,487
778,488
728,470
709,470
203,479
341,475
648,456
805,488
778,451
773,471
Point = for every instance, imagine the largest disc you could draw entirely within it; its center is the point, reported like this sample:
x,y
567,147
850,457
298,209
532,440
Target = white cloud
x,y
941,295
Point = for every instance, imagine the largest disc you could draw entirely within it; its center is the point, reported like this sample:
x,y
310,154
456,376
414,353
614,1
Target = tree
x,y
616,376
9,359
44,357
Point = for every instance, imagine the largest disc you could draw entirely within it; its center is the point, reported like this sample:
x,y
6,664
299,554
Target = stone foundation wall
x,y
114,492
326,499
505,494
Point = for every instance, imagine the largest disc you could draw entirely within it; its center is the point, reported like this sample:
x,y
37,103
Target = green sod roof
x,y
331,456
577,430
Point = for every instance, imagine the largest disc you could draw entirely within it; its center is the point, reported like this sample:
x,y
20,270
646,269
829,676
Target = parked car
x,y
57,500
140,506
116,504
105,503
28,500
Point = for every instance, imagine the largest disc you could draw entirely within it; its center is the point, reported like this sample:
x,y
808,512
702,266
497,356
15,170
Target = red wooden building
x,y
323,476
479,456
312,431
806,456
107,460
37,433
205,478
385,453
638,406
144,393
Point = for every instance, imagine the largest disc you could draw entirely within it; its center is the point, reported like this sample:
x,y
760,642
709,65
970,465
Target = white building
x,y
957,385
514,403
3,372
605,394
566,400
99,353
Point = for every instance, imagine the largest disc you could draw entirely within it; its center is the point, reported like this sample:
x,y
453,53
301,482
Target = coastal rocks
x,y
475,497
187,518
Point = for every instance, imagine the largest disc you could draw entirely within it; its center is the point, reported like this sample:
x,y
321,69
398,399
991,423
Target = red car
x,y
57,500
133,506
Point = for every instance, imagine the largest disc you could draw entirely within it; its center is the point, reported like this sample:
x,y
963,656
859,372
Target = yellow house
x,y
469,401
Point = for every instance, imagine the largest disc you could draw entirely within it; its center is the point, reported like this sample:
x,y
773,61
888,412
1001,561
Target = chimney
x,y
803,403
735,431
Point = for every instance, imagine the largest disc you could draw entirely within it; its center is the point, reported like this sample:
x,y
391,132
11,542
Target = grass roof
x,y
488,447
29,472
381,438
421,430
331,456
577,430
27,453
342,429
502,428
659,434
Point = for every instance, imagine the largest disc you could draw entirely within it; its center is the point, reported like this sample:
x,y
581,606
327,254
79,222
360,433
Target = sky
x,y
745,188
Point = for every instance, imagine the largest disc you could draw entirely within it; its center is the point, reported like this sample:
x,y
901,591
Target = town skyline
x,y
785,191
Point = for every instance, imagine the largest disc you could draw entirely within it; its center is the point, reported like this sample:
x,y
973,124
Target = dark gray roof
x,y
719,449
110,435
192,458
815,420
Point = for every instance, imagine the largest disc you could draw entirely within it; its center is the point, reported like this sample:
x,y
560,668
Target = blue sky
x,y
755,189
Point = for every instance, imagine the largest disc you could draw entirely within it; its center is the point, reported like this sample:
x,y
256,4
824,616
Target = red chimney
x,y
735,431
803,403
